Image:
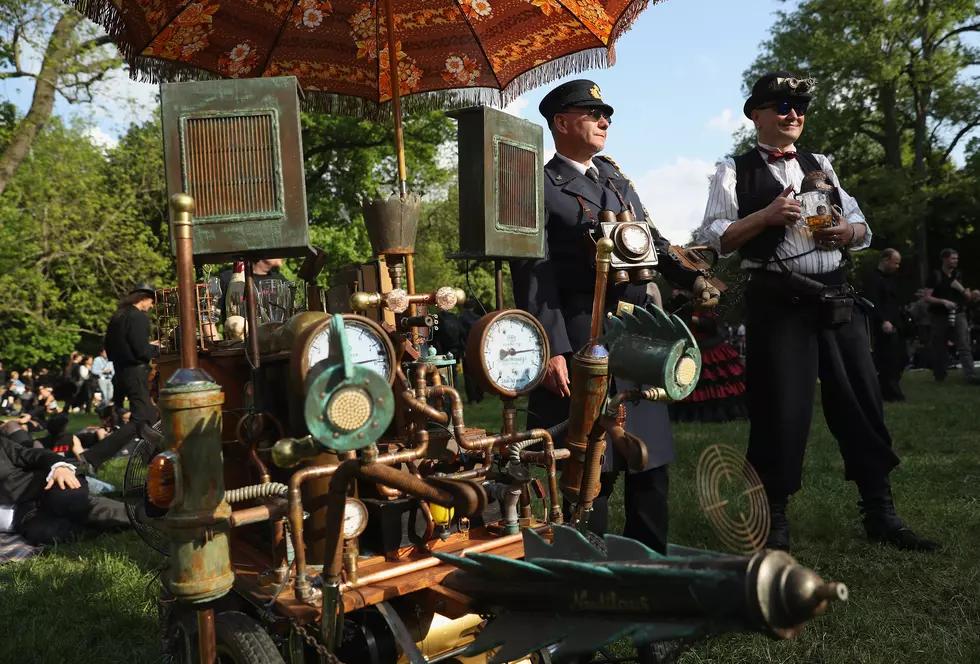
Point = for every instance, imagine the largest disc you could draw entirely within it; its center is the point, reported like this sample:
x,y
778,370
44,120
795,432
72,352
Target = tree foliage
x,y
896,97
69,246
75,58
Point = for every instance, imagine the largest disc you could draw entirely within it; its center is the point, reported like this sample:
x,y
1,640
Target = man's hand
x,y
155,342
705,294
835,237
556,376
949,304
887,327
64,477
784,211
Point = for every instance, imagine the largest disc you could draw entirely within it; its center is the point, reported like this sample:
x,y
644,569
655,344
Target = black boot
x,y
778,526
883,524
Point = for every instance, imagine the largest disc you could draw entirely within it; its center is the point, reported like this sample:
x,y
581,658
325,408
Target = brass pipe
x,y
589,489
498,283
396,104
410,283
253,456
274,510
604,249
183,207
432,561
207,648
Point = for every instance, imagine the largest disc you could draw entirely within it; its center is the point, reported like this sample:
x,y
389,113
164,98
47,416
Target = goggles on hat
x,y
797,85
596,113
784,107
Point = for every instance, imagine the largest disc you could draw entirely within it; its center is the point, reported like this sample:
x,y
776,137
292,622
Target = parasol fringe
x,y
106,14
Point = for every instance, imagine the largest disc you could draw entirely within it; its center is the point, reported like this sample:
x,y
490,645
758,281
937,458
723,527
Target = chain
x,y
314,643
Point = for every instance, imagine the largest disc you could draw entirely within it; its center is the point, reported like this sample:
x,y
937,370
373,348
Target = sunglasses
x,y
594,113
784,107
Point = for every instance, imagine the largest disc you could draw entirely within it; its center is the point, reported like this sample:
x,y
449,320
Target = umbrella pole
x,y
396,104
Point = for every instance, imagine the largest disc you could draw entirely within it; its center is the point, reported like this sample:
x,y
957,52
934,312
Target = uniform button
x,y
794,300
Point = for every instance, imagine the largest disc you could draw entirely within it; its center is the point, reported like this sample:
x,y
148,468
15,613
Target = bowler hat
x,y
581,92
778,85
144,287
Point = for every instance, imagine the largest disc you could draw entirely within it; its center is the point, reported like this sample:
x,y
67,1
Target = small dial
x,y
367,345
634,240
355,518
515,352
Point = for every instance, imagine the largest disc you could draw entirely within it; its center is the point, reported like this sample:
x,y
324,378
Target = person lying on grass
x,y
44,500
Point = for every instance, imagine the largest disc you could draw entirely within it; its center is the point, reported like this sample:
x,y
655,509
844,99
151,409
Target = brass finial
x,y
182,203
361,301
604,249
183,207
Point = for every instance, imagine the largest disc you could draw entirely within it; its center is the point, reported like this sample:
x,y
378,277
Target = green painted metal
x,y
248,182
199,568
338,377
646,346
501,188
575,594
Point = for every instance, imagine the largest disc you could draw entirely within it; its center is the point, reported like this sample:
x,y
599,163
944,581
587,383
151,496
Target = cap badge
x,y
595,92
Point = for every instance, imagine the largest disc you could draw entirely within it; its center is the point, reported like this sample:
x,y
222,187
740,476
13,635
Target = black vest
x,y
755,188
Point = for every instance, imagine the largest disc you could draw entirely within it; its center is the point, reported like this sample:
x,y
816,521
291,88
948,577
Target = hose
x,y
266,490
514,450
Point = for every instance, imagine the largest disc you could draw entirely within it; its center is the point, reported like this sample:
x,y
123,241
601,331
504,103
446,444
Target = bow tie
x,y
775,156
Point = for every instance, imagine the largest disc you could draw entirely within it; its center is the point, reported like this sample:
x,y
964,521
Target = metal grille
x,y
230,165
517,182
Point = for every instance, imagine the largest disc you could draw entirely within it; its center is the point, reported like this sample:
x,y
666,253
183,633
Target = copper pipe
x,y
465,498
274,510
183,207
595,446
207,648
253,456
402,380
430,524
474,474
651,394
527,456
604,248
510,416
252,319
410,282
432,561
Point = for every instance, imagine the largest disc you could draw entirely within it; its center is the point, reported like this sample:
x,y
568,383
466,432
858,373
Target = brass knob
x,y
361,301
604,249
182,203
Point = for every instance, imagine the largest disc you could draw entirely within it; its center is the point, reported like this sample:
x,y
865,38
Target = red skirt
x,y
720,393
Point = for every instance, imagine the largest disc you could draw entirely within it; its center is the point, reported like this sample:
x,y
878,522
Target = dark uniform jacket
x,y
558,289
127,339
23,471
883,293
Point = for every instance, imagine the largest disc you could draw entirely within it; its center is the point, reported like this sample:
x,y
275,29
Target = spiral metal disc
x,y
732,496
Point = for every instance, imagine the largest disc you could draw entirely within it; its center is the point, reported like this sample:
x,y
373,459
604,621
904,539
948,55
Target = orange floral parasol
x,y
485,51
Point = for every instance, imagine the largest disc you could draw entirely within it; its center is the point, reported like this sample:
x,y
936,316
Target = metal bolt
x,y
381,401
360,436
336,434
323,395
320,418
367,383
374,425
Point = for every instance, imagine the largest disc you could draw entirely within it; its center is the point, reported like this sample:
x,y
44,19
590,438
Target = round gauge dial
x,y
370,347
355,518
513,351
634,240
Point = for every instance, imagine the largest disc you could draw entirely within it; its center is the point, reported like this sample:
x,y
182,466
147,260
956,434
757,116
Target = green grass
x,y
96,601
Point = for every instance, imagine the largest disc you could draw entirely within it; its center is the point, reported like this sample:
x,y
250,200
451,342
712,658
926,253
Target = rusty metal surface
x,y
501,187
589,376
392,224
237,146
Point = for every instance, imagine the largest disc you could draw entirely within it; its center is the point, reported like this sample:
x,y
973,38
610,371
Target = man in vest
x,y
802,323
558,291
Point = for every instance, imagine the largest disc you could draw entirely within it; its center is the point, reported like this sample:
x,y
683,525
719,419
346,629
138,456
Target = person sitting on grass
x,y
49,501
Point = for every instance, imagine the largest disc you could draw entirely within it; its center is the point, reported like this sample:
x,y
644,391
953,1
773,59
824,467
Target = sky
x,y
675,87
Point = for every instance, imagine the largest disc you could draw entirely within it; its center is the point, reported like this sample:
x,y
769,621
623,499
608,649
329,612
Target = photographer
x,y
948,299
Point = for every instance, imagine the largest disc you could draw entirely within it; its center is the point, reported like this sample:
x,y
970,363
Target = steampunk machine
x,y
316,484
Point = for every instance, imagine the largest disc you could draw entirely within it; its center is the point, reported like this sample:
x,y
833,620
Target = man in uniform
x,y
128,346
948,298
889,330
802,319
558,291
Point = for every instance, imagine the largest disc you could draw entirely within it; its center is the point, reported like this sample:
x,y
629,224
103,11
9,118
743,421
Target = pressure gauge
x,y
369,344
355,518
633,240
513,352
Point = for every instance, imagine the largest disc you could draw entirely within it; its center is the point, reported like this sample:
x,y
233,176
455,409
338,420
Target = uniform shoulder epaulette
x,y
619,170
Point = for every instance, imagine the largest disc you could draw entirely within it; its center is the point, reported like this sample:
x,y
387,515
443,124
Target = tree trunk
x,y
57,52
888,102
923,80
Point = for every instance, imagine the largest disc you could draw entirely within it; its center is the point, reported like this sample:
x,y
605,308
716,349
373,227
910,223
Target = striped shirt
x,y
722,211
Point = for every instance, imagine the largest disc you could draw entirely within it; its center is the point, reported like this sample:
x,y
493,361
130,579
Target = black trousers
x,y
132,383
645,502
64,515
890,359
788,349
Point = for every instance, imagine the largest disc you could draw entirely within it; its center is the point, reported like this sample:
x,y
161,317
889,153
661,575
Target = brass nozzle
x,y
361,301
604,249
183,207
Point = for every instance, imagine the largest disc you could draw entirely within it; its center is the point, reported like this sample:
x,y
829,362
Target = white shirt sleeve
x,y
852,211
60,464
722,208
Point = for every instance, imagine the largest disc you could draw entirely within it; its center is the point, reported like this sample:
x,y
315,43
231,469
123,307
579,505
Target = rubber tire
x,y
243,639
